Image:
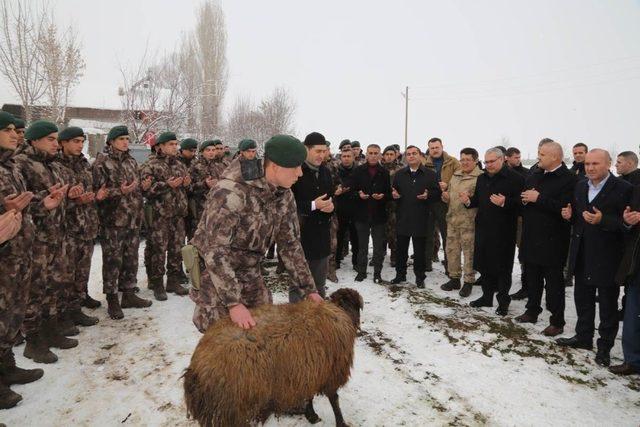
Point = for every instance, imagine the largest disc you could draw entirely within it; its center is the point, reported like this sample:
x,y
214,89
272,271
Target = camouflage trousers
x,y
209,307
460,240
164,244
331,261
75,266
391,232
15,280
119,258
42,292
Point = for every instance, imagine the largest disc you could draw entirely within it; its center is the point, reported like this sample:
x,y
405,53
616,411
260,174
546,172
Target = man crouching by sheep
x,y
249,209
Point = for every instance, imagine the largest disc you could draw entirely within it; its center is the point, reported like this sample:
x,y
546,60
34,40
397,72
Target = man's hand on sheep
x,y
241,316
315,297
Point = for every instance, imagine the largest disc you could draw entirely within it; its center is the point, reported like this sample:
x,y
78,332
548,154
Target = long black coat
x,y
631,258
314,225
632,177
346,202
600,245
412,214
371,210
496,227
545,234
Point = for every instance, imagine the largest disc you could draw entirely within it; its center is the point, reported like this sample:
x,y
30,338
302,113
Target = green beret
x,y
285,150
70,133
343,143
166,137
6,119
188,144
20,124
247,144
209,143
389,148
116,132
355,144
40,129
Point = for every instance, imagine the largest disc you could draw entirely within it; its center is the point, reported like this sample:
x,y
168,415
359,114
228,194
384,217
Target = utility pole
x,y
405,95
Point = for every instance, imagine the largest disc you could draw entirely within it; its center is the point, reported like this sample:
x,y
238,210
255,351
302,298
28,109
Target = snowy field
x,y
424,358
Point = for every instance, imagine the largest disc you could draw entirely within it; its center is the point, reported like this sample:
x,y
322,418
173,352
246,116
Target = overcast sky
x,y
477,71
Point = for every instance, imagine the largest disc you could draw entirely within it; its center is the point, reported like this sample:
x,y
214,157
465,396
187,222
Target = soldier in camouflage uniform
x,y
44,178
15,268
248,149
167,197
360,158
332,164
20,129
390,163
205,172
249,208
120,216
461,223
81,226
187,156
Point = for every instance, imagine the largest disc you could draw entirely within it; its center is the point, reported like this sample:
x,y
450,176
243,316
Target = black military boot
x,y
360,277
8,397
37,349
54,337
174,286
398,279
451,285
159,292
131,300
377,277
113,307
66,326
11,374
81,319
466,289
91,303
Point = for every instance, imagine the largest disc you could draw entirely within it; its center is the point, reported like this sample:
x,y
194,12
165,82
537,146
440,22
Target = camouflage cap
x,y
286,151
6,119
40,129
70,133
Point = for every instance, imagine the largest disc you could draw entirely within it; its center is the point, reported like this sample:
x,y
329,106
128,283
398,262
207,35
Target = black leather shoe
x,y
420,283
481,302
521,294
398,279
526,318
574,342
502,310
361,276
603,358
624,369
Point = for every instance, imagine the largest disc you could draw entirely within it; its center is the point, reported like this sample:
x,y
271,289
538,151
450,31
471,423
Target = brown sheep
x,y
294,352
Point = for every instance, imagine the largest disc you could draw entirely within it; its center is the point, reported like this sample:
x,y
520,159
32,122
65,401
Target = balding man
x,y
627,167
596,250
545,235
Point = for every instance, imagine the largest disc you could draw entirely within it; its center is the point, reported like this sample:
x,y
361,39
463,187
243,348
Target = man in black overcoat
x,y
414,188
497,197
597,246
313,192
545,235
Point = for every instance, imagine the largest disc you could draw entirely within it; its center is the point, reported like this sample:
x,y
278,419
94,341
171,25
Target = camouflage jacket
x,y
81,220
112,169
40,173
392,167
199,171
11,182
164,200
457,213
242,219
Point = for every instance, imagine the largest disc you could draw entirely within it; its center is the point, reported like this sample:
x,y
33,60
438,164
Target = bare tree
x,y
211,52
278,111
21,25
60,66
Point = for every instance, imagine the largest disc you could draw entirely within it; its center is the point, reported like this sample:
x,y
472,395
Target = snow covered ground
x,y
423,358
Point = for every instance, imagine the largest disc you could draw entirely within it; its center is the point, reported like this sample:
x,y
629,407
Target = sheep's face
x,y
350,301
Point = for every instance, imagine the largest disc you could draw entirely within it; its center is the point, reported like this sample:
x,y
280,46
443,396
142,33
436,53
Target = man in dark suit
x,y
346,201
545,235
414,188
313,192
596,249
497,197
372,183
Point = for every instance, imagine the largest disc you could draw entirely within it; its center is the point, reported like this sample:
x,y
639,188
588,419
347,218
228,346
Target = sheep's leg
x,y
337,412
310,413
